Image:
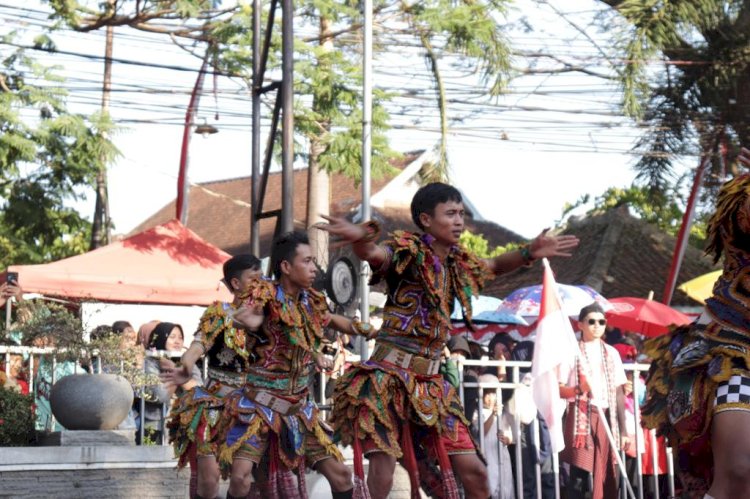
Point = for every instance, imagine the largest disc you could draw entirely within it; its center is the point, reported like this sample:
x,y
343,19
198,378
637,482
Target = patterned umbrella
x,y
525,301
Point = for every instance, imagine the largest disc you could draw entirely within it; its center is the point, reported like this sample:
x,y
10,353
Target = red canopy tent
x,y
167,264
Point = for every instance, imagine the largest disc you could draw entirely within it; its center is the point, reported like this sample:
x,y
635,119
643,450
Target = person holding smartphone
x,y
10,288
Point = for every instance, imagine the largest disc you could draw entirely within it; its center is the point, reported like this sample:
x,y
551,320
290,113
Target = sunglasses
x,y
602,322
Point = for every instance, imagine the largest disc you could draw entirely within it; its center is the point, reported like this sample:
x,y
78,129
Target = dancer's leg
x,y
730,440
241,478
473,474
338,474
380,474
208,476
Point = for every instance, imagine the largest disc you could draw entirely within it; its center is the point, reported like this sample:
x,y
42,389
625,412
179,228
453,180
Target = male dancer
x,y
272,424
396,405
194,415
698,383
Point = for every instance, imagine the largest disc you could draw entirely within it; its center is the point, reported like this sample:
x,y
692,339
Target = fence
x,y
514,367
34,356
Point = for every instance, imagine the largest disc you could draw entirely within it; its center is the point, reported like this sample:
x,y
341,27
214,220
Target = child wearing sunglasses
x,y
598,380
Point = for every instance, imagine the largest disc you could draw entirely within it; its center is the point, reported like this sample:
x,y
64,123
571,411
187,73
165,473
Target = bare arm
x,y
348,326
541,247
361,237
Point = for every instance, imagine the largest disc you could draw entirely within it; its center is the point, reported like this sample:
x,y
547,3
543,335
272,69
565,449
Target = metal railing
x,y
513,382
35,357
513,369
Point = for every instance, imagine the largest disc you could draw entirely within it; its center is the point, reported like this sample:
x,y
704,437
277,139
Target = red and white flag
x,y
555,350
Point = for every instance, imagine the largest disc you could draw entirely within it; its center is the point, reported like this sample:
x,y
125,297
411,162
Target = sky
x,y
519,158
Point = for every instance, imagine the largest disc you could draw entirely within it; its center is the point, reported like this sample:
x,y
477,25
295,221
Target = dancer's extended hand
x,y
171,375
343,230
545,245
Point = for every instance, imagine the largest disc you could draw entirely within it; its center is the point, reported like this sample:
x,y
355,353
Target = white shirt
x,y
595,371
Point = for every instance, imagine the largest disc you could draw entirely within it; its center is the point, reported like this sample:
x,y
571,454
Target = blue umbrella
x,y
497,317
479,304
484,310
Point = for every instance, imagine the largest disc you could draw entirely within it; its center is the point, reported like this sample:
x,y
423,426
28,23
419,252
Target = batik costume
x,y
193,418
704,368
400,383
272,421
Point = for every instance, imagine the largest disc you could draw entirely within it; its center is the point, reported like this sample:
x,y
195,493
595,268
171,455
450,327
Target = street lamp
x,y
205,129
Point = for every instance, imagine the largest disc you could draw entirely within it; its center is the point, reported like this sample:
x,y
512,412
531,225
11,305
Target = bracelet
x,y
360,328
372,232
525,250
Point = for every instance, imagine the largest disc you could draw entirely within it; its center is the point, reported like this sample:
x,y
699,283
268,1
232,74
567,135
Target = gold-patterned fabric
x,y
373,399
422,290
690,363
194,415
282,362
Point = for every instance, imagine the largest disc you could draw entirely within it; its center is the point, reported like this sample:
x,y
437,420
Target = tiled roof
x,y
619,255
220,211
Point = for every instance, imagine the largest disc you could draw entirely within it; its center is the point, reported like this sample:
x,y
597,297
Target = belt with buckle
x,y
276,404
229,378
406,360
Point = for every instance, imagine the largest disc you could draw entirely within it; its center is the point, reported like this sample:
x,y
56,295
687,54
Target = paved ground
x,y
318,488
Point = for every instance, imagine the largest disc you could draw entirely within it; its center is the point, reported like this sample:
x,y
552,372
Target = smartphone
x,y
11,278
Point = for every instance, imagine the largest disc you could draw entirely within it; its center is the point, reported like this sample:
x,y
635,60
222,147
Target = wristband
x,y
526,254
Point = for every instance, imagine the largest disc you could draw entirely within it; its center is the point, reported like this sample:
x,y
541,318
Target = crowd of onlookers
x,y
150,400
517,411
507,422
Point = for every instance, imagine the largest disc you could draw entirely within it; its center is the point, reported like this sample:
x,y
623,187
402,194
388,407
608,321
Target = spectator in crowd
x,y
16,376
596,383
500,348
628,354
168,337
534,448
144,332
128,335
10,290
495,441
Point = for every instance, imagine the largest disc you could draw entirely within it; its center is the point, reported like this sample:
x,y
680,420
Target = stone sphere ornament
x,y
91,401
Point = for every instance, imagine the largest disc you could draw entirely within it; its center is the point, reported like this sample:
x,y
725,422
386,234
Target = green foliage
x,y
468,29
695,100
48,324
16,418
663,211
478,245
48,157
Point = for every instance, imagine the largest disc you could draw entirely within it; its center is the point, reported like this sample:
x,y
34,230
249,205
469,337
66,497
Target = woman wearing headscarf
x,y
168,338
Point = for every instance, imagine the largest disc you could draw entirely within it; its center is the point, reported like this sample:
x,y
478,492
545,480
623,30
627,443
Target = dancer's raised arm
x,y
542,246
362,237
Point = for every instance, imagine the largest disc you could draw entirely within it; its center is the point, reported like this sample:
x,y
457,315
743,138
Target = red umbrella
x,y
647,317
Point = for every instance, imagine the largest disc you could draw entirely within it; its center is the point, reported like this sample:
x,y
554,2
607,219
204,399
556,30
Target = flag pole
x,y
615,451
